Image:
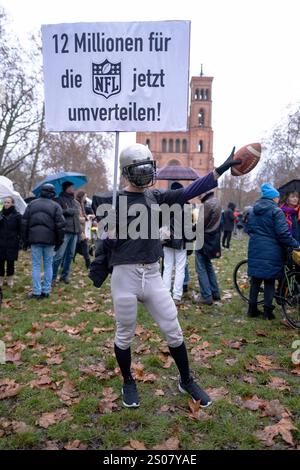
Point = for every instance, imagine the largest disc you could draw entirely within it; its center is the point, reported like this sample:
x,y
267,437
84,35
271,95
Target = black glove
x,y
227,164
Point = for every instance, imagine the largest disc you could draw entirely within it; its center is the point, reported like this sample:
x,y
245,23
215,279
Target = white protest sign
x,y
116,76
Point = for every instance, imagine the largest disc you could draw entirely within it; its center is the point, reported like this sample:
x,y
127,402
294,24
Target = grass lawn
x,y
60,386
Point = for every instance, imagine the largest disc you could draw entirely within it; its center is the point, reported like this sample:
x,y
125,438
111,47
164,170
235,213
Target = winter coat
x,y
228,220
71,210
10,234
43,223
269,239
212,232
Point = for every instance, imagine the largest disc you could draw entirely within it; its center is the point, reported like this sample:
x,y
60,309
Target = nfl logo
x,y
106,78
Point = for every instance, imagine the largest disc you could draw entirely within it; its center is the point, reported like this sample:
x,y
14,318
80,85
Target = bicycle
x,y
287,294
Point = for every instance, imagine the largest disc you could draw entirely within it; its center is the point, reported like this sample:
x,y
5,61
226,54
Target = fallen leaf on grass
x,y
98,370
217,393
265,362
283,428
267,407
262,363
143,332
107,405
141,375
261,333
68,394
51,445
249,379
103,330
159,393
169,444
194,338
13,352
277,383
233,344
137,445
9,388
54,360
75,445
167,408
9,427
196,413
143,349
48,419
168,362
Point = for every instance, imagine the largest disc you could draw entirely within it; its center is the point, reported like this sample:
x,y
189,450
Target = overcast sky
x,y
250,47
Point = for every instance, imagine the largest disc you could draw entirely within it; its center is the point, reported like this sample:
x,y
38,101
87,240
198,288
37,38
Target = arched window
x,y
164,145
171,148
148,143
201,119
201,95
196,94
174,163
184,146
207,94
200,146
177,146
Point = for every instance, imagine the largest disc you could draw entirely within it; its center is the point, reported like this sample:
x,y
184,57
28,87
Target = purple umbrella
x,y
177,172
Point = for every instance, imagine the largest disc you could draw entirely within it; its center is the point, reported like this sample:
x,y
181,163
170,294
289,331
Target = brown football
x,y
249,155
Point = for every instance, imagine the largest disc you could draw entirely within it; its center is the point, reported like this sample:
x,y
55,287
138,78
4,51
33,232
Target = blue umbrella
x,y
57,179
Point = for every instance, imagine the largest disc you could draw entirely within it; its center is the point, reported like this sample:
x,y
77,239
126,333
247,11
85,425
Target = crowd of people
x,y
55,228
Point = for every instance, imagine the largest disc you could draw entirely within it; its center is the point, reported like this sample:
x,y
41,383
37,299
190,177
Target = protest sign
x,y
116,76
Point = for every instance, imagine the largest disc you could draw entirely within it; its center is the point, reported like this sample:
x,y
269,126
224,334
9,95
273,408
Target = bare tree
x,y
241,190
81,152
19,116
282,151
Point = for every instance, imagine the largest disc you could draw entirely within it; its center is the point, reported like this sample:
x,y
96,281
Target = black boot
x,y
268,312
253,311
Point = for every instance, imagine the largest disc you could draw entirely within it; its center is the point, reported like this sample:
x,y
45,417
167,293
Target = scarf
x,y
289,212
8,211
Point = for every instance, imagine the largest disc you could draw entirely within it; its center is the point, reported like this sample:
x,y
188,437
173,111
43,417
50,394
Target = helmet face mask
x,y
141,174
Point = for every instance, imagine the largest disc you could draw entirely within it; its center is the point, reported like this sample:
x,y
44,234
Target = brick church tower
x,y
193,148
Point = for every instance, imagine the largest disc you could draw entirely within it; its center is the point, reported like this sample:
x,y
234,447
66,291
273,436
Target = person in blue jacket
x,y
269,239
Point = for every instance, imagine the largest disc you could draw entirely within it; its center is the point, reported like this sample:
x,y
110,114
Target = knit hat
x,y
268,191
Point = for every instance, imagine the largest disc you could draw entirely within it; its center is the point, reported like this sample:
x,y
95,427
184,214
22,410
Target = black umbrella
x,y
290,187
177,172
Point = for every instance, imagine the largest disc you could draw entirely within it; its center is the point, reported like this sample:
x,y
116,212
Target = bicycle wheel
x,y
241,282
290,298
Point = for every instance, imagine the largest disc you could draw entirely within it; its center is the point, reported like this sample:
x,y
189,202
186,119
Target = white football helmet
x,y
137,165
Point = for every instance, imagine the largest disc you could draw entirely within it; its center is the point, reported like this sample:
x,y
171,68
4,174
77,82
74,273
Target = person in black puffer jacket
x,y
43,229
10,232
66,252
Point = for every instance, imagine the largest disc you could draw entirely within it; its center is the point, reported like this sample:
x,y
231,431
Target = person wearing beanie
x,y
43,230
269,238
71,211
